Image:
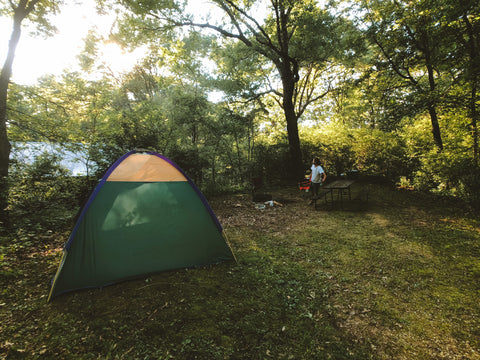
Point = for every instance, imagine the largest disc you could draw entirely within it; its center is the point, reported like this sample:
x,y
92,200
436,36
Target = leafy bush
x,y
371,151
42,194
377,152
191,161
449,173
271,162
332,144
469,185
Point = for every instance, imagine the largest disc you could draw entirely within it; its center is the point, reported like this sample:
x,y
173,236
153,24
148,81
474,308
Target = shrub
x,y
271,161
469,185
42,193
371,151
377,152
332,144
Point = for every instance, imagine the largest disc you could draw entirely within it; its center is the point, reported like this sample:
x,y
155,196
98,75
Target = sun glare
x,y
112,56
36,57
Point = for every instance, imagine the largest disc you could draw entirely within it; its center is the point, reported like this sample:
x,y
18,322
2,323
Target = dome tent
x,y
144,216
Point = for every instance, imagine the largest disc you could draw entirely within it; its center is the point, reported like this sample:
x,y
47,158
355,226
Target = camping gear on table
x,y
145,216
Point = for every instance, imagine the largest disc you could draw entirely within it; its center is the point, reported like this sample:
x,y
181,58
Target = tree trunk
x,y
473,116
291,118
5,146
437,138
474,72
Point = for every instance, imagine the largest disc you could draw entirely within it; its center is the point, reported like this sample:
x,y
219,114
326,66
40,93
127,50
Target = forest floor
x,y
397,277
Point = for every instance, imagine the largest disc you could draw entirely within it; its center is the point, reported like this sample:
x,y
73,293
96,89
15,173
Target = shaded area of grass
x,y
396,278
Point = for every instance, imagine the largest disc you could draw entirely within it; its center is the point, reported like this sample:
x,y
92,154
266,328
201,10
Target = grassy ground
x,y
394,278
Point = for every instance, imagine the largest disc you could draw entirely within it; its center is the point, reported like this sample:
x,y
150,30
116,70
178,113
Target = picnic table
x,y
343,187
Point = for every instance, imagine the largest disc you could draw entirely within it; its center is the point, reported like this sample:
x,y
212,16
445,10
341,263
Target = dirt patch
x,y
287,209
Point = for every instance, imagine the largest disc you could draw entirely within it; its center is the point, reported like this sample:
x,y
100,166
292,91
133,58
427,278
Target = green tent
x,y
144,216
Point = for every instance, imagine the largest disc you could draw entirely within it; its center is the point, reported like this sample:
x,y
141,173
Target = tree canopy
x,y
292,42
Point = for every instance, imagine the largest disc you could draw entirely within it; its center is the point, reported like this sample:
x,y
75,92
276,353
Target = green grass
x,y
397,278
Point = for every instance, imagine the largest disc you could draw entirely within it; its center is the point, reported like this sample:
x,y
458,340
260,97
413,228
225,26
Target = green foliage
x,y
270,162
240,72
370,151
42,194
191,161
377,152
451,172
316,34
38,17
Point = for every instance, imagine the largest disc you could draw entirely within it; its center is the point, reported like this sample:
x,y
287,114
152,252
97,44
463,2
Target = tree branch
x,y
394,66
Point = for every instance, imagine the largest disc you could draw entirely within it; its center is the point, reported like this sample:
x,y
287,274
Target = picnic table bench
x,y
323,194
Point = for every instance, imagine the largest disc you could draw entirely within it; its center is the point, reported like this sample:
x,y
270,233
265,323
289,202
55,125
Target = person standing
x,y
318,176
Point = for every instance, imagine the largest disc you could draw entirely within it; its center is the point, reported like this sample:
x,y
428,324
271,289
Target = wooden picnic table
x,y
342,187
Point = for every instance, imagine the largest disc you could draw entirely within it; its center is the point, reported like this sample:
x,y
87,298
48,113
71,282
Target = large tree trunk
x,y
293,139
5,147
437,137
289,74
